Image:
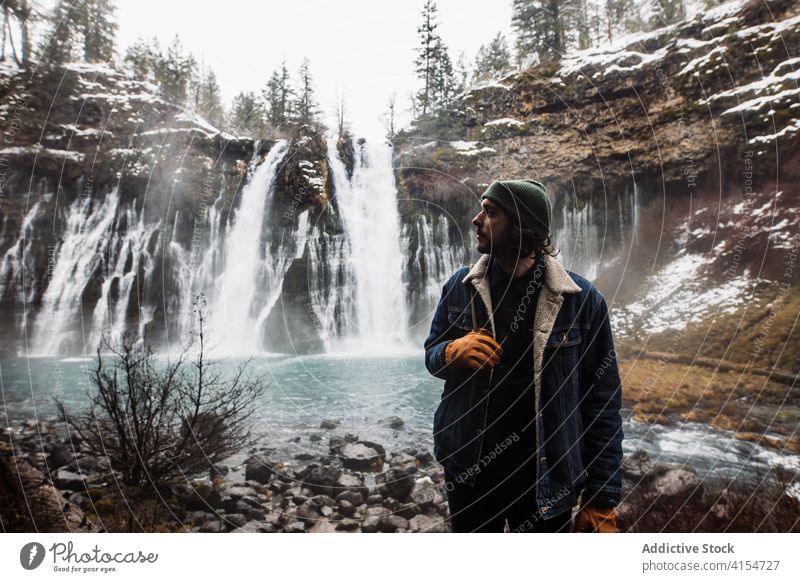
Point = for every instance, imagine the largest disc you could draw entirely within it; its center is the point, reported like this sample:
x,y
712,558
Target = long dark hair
x,y
529,242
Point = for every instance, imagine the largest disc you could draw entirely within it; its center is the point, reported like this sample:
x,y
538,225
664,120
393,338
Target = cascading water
x,y
84,252
18,267
368,263
433,259
588,237
251,276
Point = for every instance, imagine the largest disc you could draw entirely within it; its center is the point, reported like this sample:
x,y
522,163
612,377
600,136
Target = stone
x,y
392,522
59,456
637,465
235,520
350,482
361,457
347,525
323,479
425,493
259,468
393,421
68,480
328,423
395,483
352,496
677,483
370,524
428,524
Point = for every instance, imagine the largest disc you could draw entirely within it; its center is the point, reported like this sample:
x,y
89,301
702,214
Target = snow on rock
x,y
507,121
43,152
679,294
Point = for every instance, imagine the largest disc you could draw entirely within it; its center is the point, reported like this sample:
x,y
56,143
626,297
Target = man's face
x,y
494,229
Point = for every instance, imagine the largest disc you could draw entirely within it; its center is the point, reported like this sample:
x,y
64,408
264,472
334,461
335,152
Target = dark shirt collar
x,y
498,277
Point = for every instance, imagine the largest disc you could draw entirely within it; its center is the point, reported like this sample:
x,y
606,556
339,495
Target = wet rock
x,y
350,482
68,480
395,483
637,465
329,424
391,523
347,525
428,524
361,457
425,493
370,524
677,482
235,520
393,421
354,497
323,479
259,468
59,456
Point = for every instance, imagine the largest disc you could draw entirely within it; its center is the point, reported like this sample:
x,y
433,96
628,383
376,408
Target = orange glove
x,y
474,350
594,519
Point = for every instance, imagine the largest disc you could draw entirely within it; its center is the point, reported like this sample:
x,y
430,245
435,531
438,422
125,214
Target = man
x,y
529,417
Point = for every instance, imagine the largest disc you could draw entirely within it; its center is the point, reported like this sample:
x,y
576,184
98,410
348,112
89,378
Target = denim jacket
x,y
578,393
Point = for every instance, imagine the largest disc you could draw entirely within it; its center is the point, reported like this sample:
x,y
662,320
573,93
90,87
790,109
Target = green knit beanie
x,y
525,201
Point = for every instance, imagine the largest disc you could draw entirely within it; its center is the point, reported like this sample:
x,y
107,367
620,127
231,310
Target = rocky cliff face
x,y
144,188
671,158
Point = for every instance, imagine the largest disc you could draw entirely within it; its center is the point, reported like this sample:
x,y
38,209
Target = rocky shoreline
x,y
357,487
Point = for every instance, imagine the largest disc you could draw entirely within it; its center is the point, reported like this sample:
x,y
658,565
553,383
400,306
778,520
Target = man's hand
x,y
595,519
474,350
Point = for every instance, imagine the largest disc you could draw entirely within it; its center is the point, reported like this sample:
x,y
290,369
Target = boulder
x,y
677,483
259,468
360,457
393,421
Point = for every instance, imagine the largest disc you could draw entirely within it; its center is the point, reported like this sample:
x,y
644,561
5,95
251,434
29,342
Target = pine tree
x,y
537,31
277,97
58,44
210,101
426,62
305,107
622,17
175,72
444,82
667,12
246,115
99,30
494,60
143,59
462,73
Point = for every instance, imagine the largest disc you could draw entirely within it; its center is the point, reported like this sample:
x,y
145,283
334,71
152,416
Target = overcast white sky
x,y
361,48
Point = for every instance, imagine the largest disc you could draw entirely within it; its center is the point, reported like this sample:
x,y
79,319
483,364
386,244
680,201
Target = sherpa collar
x,y
556,277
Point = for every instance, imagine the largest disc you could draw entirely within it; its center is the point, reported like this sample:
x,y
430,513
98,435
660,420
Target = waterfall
x,y
193,270
129,263
362,270
103,252
18,269
252,274
433,259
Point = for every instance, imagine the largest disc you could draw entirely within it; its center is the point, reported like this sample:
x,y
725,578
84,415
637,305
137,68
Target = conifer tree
x,y
493,60
277,97
246,115
305,107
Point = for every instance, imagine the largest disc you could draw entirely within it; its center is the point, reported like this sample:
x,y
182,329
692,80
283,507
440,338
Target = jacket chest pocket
x,y
460,319
562,352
